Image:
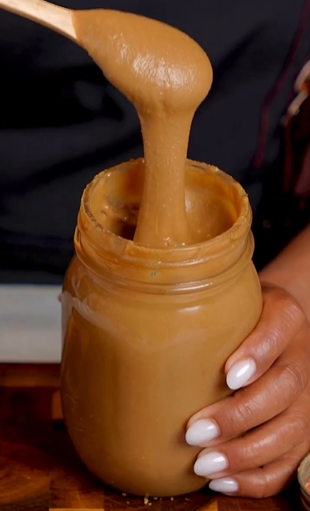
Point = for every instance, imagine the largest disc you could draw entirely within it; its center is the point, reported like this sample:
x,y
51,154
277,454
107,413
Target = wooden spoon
x,y
49,15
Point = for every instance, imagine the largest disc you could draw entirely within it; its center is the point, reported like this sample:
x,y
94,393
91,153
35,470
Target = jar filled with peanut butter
x,y
147,330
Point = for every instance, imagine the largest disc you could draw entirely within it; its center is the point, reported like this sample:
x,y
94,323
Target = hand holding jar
x,y
255,439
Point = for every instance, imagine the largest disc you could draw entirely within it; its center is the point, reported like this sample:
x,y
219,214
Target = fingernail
x,y
225,485
240,373
210,463
202,432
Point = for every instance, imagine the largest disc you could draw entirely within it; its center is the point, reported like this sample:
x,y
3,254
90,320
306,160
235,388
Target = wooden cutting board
x,y
40,471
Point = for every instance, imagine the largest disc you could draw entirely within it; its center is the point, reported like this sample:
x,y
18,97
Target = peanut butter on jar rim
x,y
147,331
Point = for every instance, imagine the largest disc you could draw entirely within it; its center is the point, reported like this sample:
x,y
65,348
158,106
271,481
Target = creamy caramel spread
x,y
166,75
162,289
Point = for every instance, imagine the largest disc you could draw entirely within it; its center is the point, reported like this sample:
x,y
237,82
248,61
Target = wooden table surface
x,y
39,470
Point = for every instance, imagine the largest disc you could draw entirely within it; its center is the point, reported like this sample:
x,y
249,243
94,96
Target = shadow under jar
x,y
147,331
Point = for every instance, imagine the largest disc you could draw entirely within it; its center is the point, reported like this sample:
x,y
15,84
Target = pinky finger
x,y
265,481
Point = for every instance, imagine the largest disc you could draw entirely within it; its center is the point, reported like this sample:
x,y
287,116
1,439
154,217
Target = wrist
x,y
290,270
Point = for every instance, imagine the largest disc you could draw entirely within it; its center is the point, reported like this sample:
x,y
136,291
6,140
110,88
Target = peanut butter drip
x,y
166,75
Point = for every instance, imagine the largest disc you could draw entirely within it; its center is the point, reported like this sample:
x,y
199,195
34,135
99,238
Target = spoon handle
x,y
49,15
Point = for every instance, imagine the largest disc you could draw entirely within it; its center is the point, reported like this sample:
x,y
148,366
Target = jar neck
x,y
123,262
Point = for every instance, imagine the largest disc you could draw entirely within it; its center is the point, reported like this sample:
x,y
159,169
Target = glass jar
x,y
147,331
303,474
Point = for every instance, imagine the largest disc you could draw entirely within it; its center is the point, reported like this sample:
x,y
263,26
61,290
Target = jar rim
x,y
126,249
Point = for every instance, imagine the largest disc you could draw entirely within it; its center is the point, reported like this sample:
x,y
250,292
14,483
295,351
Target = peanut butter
x,y
166,75
162,289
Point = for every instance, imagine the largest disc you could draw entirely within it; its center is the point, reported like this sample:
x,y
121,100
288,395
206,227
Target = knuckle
x,y
293,314
301,426
240,417
263,487
295,378
273,342
288,320
252,455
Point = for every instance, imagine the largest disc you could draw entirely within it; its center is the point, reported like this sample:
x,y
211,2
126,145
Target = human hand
x,y
255,439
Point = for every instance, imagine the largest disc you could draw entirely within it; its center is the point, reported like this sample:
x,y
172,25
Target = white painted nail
x,y
225,485
240,373
210,463
202,432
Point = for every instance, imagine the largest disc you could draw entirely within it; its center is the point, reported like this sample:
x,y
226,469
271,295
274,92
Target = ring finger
x,y
258,448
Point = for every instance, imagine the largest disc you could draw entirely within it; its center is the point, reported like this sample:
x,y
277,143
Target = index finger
x,y
281,321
